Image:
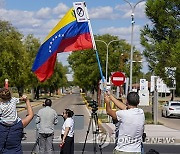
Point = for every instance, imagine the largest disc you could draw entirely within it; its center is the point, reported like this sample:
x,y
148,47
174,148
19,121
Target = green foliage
x,y
85,67
103,118
12,55
58,78
161,40
17,55
31,45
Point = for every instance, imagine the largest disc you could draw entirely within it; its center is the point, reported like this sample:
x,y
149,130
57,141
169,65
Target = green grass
x,y
103,118
149,118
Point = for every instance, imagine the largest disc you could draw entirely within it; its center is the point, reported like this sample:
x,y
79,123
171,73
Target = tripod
x,y
95,132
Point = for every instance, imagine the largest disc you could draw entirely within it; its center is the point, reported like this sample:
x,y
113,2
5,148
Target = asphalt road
x,y
82,118
171,122
162,149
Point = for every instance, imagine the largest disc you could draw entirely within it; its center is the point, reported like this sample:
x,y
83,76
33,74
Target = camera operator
x,y
131,125
46,119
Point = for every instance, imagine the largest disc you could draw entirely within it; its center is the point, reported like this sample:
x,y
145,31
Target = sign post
x,y
144,93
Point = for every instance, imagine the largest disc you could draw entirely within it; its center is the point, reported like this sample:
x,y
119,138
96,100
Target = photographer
x,y
131,125
46,119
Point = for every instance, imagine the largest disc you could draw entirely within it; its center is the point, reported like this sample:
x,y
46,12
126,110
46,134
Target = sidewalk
x,y
22,106
155,134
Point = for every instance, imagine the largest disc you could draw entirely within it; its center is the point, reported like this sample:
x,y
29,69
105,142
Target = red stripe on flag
x,y
46,70
79,42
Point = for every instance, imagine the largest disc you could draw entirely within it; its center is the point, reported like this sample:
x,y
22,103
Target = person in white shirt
x,y
67,134
131,126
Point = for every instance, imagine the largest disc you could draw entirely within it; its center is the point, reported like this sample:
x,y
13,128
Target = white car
x,y
171,108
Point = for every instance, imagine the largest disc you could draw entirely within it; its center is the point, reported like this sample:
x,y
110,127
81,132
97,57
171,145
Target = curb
x,y
24,107
102,129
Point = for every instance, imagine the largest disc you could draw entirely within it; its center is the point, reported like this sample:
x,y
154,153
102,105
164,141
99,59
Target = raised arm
x,y
118,103
109,111
30,113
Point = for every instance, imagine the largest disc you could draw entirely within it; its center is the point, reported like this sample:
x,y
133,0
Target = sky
x,y
38,17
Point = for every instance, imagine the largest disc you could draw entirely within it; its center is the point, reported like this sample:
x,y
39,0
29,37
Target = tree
x,y
17,55
85,66
161,40
32,45
57,80
13,56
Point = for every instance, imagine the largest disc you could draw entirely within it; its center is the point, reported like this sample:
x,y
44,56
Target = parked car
x,y
171,108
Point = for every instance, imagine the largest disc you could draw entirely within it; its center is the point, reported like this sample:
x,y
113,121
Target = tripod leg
x,y
97,131
89,125
95,118
94,135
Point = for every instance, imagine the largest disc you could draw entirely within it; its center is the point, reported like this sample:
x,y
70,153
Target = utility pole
x,y
132,27
155,102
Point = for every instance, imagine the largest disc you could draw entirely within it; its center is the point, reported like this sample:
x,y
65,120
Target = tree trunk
x,y
36,92
20,91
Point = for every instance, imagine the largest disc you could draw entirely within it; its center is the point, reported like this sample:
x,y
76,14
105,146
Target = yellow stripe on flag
x,y
68,18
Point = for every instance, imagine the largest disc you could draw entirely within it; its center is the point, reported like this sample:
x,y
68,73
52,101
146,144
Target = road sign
x,y
80,12
143,97
118,78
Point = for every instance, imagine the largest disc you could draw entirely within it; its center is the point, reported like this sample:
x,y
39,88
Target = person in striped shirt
x,y
11,126
8,112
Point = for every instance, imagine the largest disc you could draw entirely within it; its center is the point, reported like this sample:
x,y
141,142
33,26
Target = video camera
x,y
94,105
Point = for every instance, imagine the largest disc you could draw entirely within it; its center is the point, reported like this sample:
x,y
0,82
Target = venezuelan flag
x,y
67,35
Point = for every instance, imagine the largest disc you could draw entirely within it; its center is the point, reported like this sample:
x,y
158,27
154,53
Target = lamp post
x,y
107,54
132,27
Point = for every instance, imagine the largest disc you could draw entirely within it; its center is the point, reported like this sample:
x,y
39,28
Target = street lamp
x,y
132,27
107,46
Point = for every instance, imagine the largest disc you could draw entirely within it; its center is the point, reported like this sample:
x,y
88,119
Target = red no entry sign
x,y
118,78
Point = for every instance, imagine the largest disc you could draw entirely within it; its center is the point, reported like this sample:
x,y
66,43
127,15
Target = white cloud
x,y
61,8
29,22
43,13
127,11
106,12
19,19
122,32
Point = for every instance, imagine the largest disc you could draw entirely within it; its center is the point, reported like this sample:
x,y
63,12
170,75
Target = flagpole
x,y
94,45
